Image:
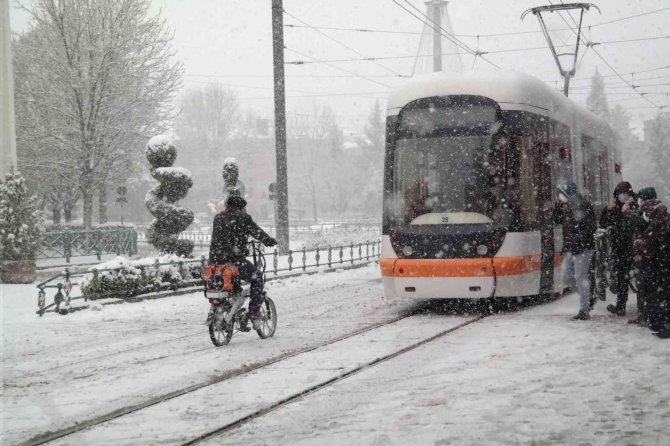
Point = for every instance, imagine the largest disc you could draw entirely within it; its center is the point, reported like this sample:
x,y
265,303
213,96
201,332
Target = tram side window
x,y
604,178
525,177
594,158
562,153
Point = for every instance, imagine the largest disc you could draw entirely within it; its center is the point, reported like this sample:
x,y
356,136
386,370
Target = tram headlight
x,y
407,251
482,249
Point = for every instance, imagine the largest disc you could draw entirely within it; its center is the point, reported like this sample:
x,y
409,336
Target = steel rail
x,y
123,411
310,390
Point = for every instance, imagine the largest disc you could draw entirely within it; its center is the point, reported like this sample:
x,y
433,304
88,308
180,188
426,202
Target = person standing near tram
x,y
576,215
621,229
652,253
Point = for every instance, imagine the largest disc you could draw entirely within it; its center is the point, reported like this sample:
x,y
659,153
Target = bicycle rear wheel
x,y
268,319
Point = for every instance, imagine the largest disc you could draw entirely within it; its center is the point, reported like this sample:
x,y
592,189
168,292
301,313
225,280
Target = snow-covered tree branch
x,y
92,77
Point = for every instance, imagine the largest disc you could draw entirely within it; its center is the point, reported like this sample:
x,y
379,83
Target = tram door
x,y
544,201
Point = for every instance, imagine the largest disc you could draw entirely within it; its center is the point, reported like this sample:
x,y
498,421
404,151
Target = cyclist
x,y
230,236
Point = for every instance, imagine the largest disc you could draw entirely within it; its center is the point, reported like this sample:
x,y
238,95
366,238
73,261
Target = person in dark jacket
x,y
576,215
645,270
230,237
621,238
652,250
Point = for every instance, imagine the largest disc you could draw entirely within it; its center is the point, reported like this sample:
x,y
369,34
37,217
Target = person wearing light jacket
x,y
576,215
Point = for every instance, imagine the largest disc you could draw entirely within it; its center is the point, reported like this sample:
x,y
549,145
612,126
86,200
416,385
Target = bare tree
x,y
208,116
597,99
373,141
95,79
657,138
372,146
308,136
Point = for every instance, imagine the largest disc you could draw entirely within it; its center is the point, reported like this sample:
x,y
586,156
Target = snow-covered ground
x,y
61,369
531,376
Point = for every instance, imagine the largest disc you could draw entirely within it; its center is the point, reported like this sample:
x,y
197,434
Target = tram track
x,y
320,386
62,433
197,335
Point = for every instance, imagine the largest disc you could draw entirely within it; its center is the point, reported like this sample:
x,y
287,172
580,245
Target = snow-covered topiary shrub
x,y
174,183
127,278
21,225
231,173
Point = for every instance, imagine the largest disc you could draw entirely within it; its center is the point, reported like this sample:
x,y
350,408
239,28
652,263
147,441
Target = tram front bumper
x,y
438,278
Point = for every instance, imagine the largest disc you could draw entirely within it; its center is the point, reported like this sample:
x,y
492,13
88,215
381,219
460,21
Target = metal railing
x,y
201,235
302,261
70,243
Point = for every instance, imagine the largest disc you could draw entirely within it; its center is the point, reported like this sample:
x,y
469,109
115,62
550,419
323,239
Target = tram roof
x,y
511,90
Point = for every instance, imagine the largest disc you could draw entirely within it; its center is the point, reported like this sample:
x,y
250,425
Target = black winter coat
x,y
622,229
230,237
579,225
652,247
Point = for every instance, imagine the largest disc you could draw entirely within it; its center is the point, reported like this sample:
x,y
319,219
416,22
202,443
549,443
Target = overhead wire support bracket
x,y
537,11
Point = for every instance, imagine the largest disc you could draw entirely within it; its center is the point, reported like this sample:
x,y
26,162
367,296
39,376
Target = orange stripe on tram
x,y
386,266
558,259
443,268
487,267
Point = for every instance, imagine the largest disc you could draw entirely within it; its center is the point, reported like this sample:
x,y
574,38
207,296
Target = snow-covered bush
x,y
127,278
21,226
174,183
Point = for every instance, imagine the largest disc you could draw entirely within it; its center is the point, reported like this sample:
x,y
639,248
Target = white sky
x,y
230,41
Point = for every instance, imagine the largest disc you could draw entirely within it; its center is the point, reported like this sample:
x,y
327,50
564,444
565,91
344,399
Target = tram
x,y
473,166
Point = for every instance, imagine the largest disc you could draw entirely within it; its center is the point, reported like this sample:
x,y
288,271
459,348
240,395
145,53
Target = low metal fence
x,y
201,235
70,243
303,261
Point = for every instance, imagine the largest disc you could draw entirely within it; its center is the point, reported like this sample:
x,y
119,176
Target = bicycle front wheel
x,y
268,319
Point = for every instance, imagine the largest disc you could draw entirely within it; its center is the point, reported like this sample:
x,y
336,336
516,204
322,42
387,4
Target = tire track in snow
x,y
118,413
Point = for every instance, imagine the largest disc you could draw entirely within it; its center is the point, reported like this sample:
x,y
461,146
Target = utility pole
x,y
7,129
281,208
437,6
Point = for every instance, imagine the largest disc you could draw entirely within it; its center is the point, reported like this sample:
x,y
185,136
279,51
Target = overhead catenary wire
x,y
440,31
589,43
508,50
329,76
619,82
446,34
338,68
449,36
500,34
432,26
344,45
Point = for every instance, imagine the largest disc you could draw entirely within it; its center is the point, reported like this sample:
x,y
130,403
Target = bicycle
x,y
227,314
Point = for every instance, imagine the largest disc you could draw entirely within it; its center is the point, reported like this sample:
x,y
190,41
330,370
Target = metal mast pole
x,y
7,129
281,208
437,36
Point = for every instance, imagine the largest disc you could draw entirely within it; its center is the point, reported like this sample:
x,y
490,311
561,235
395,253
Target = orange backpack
x,y
223,277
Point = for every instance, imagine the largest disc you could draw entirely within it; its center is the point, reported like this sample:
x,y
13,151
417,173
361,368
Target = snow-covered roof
x,y
511,90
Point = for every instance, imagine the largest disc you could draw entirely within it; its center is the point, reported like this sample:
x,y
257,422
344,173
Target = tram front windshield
x,y
448,167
